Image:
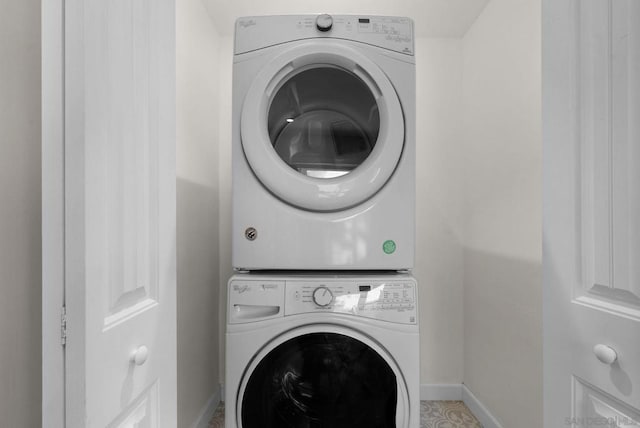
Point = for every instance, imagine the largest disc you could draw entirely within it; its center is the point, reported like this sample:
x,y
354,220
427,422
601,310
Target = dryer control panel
x,y
389,32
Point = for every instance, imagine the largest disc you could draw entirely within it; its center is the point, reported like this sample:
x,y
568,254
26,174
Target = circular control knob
x,y
324,22
322,296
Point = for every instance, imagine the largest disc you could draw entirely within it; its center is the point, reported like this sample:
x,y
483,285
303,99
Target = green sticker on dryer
x,y
389,246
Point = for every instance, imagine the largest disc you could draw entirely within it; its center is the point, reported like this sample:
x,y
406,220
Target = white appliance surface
x,y
323,143
289,337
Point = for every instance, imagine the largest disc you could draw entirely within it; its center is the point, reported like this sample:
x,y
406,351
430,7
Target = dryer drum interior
x,y
323,121
321,380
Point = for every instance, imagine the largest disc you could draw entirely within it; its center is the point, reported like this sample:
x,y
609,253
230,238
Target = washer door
x,y
322,379
322,127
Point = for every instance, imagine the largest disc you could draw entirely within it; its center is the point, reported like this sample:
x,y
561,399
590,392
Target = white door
x,y
591,233
119,201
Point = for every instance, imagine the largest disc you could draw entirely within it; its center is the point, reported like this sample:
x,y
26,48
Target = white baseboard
x,y
479,410
208,410
440,391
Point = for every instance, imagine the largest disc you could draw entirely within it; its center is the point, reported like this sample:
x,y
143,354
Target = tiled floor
x,y
433,414
446,414
218,417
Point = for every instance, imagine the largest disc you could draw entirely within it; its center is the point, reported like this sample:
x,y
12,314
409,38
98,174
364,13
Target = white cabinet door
x,y
591,233
119,166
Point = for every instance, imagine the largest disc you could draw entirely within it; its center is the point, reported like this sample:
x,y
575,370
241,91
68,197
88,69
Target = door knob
x,y
605,354
139,356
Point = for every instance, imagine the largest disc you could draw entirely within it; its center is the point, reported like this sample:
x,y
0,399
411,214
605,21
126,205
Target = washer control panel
x,y
393,300
258,299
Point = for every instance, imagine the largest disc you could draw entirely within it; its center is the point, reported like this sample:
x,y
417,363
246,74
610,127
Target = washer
x,y
323,143
339,351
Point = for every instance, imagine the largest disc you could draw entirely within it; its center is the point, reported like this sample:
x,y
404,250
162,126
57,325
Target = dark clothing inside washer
x,y
321,380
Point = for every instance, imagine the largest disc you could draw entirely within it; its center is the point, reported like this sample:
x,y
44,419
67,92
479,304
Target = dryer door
x,y
322,377
322,127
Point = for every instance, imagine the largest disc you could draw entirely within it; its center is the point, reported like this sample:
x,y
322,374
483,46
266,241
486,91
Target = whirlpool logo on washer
x,y
266,286
240,288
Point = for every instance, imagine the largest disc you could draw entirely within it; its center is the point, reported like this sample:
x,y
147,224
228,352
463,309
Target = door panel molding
x,y
594,407
607,98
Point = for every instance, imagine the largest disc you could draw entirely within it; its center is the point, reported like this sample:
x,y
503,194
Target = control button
x,y
324,22
322,296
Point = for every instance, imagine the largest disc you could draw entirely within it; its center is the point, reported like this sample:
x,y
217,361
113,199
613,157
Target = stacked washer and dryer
x,y
322,319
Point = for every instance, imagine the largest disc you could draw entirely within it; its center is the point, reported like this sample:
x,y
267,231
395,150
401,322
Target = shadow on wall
x,y
503,336
197,297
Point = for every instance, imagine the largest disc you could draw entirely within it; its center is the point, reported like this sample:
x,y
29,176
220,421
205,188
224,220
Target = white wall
x,y
197,209
20,218
439,203
439,262
226,269
502,223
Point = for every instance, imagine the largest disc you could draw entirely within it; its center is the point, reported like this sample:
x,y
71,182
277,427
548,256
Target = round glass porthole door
x,y
320,380
323,122
322,127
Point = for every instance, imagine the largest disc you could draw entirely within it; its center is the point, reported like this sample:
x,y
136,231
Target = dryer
x,y
334,351
323,143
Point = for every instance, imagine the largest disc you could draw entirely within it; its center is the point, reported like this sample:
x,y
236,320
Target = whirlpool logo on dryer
x,y
246,23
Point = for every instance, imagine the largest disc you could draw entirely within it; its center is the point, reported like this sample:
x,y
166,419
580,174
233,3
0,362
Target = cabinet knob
x,y
605,354
139,356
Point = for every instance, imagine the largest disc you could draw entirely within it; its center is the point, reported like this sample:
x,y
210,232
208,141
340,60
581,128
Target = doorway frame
x,y
53,214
